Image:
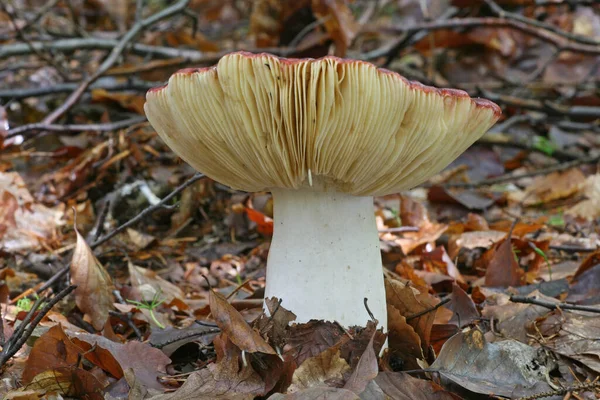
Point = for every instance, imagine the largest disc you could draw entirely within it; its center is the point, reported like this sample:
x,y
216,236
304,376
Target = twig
x,y
99,226
93,43
126,317
558,154
553,306
37,52
558,40
41,126
24,331
513,177
542,25
113,57
62,272
108,85
421,313
147,210
562,391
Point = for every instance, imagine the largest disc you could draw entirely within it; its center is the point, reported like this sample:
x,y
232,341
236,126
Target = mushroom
x,y
324,136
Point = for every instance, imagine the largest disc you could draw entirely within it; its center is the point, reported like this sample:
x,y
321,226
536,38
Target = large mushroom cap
x,y
256,121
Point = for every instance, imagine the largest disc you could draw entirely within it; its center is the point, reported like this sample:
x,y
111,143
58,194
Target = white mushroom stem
x,y
324,257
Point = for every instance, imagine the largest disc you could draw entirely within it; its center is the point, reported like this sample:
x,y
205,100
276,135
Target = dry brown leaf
x,y
513,319
317,393
309,339
409,302
590,207
128,101
469,361
464,310
317,370
473,240
365,371
147,362
69,382
338,21
24,223
402,386
223,380
555,186
149,284
52,350
403,342
235,326
503,269
93,295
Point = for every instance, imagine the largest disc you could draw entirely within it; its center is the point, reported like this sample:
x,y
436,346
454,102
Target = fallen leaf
x,y
264,224
316,371
149,284
129,101
503,269
69,382
489,368
275,327
94,286
585,288
571,335
317,393
235,326
148,363
403,341
223,380
464,310
473,240
589,208
440,262
338,21
469,199
52,350
24,223
402,386
554,186
312,338
403,297
365,371
513,319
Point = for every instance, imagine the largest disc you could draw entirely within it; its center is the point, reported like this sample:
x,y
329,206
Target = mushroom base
x,y
324,258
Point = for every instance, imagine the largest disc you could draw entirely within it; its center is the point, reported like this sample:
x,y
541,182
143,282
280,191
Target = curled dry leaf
x,y
489,368
94,286
317,370
24,224
409,302
147,362
464,310
150,284
338,21
235,326
503,269
317,393
365,371
223,380
404,343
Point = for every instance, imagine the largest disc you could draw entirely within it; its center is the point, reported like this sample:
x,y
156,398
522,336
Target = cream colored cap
x,y
256,121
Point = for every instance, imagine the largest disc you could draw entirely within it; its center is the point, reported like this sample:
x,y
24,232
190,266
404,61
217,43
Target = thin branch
x,y
22,334
110,126
558,40
427,311
553,306
105,84
113,57
513,177
161,204
500,12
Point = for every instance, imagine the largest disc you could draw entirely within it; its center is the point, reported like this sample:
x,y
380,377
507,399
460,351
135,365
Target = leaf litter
x,y
485,265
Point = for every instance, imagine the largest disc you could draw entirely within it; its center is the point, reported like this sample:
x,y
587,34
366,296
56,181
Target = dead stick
x,y
553,306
